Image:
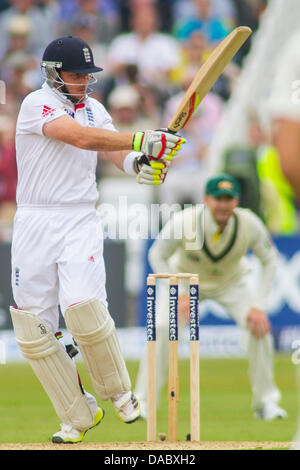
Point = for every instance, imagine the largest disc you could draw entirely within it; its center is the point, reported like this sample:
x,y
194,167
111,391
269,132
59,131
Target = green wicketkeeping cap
x,y
222,185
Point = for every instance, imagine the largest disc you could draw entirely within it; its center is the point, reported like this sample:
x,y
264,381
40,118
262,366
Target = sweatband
x,y
128,163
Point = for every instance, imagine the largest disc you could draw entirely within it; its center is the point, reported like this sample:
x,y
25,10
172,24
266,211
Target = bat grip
x,y
166,129
171,131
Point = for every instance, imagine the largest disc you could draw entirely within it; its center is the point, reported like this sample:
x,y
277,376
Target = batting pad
x,y
53,367
94,331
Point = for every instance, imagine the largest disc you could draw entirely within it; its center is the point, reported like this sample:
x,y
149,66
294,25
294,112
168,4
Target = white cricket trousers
x,y
237,301
57,259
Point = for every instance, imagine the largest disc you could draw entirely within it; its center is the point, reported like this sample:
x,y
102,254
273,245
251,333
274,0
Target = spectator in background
x,y
194,51
19,29
8,176
247,14
18,52
250,10
50,10
130,106
231,12
165,9
19,82
153,53
19,68
104,13
192,55
205,21
41,32
4,4
224,9
129,109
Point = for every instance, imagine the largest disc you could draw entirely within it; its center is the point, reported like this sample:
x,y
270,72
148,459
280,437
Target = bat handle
x,y
167,129
171,131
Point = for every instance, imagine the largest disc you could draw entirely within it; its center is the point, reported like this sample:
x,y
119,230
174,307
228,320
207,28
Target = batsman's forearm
x,y
92,138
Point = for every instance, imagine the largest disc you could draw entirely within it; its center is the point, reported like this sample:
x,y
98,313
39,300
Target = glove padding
x,y
159,144
152,171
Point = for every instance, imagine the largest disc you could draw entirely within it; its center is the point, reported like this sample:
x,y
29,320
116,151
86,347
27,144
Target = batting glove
x,y
181,141
159,144
150,172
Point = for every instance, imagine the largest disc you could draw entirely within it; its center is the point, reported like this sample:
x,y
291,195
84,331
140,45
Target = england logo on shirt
x,y
90,117
17,276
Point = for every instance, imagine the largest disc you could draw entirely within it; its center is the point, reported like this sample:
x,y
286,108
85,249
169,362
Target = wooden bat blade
x,y
208,74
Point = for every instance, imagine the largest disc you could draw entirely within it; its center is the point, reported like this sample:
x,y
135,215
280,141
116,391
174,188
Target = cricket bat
x,y
208,74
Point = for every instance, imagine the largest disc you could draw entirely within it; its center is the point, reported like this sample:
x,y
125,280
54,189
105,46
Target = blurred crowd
x,y
150,51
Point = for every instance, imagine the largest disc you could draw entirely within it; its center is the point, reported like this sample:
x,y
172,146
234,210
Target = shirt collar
x,y
64,99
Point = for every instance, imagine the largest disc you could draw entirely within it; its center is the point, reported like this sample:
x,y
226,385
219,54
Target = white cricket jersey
x,y
51,172
221,261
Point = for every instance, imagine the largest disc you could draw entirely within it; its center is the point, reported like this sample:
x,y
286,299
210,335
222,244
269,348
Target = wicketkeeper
x,y
223,270
57,247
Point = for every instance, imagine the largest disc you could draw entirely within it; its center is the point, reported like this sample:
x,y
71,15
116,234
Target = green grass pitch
x,y
225,405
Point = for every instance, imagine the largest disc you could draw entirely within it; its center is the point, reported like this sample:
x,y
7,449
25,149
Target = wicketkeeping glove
x,y
159,144
150,171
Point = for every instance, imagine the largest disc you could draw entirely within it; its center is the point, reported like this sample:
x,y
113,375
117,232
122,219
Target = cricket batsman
x,y
57,246
229,233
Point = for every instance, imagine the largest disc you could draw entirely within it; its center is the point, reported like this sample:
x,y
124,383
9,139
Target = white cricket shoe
x,y
127,407
70,435
270,411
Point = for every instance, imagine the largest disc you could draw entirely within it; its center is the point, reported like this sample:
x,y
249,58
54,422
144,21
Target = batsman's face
x,y
221,207
76,83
